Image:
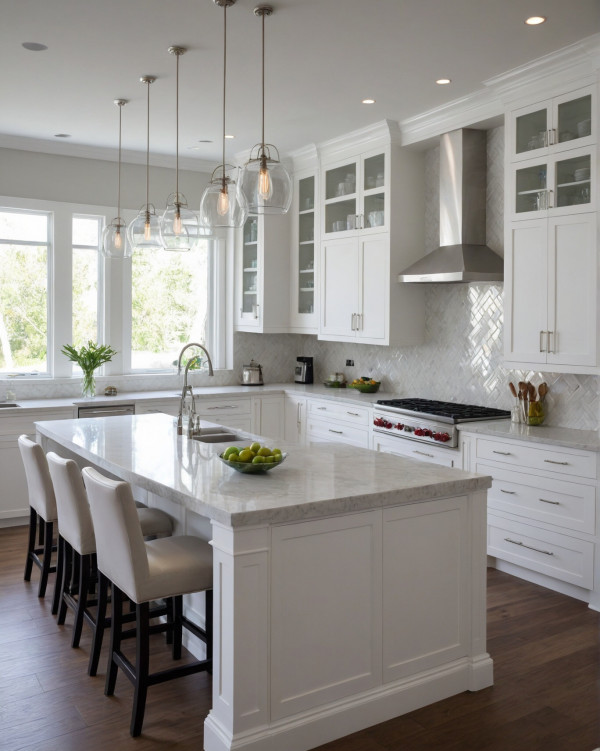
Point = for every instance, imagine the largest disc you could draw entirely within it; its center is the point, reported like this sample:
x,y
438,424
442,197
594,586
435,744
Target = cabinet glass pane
x,y
340,216
306,227
249,264
306,278
375,210
573,181
374,172
306,194
340,181
531,188
531,130
575,119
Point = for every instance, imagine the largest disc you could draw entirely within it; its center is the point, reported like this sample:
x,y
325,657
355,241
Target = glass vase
x,y
88,386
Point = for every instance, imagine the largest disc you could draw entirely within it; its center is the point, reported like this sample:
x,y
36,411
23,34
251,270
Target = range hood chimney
x,y
463,255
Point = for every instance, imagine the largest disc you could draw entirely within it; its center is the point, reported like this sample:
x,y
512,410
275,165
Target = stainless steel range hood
x,y
463,255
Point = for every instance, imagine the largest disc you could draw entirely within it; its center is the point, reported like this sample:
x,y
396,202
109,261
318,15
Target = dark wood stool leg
x,y
100,624
170,616
116,626
84,583
31,543
142,665
58,582
41,531
48,532
177,625
66,578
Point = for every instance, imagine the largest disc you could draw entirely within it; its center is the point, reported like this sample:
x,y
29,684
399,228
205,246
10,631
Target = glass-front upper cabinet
x,y
355,195
564,122
305,304
250,266
565,183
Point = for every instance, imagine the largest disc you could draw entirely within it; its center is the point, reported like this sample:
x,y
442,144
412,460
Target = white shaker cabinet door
x,y
526,292
339,285
572,298
374,290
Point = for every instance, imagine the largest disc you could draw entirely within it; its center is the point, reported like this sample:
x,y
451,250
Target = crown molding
x,y
82,151
377,134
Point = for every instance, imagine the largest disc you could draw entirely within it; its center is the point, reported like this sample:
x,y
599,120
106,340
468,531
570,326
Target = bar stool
x,y
144,571
78,548
42,511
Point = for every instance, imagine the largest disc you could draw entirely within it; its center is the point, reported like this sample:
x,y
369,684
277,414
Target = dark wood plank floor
x,y
546,694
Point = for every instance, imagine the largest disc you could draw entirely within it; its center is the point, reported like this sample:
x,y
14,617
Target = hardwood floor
x,y
546,650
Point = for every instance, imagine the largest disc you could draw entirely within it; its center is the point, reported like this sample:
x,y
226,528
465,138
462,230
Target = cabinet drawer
x,y
347,412
415,450
326,431
564,461
556,555
566,504
216,408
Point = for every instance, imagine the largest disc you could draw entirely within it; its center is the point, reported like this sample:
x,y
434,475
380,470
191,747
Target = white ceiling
x,y
323,57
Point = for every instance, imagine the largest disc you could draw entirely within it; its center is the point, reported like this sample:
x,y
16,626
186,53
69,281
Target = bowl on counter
x,y
365,386
247,468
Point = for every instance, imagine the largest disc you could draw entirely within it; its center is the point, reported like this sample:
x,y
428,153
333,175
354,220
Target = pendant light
x,y
179,227
221,204
144,231
264,181
114,237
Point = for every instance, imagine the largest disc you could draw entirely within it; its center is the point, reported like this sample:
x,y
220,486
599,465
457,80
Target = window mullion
x,y
60,294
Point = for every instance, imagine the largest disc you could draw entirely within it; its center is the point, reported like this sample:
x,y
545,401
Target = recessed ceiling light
x,y
34,46
229,136
443,81
368,101
535,20
62,135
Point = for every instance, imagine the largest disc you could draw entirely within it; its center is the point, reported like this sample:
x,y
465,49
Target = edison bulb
x,y
223,202
147,232
177,223
118,240
265,186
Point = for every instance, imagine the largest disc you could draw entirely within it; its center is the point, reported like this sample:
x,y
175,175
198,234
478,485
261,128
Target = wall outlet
x,y
349,363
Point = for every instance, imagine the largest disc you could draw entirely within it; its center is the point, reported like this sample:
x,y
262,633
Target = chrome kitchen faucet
x,y
187,388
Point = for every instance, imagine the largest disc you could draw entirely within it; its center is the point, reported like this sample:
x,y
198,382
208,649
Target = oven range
x,y
428,420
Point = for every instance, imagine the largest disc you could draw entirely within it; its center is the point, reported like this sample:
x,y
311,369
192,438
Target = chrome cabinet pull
x,y
221,406
549,334
542,341
339,432
422,453
354,414
325,408
299,415
549,199
502,453
508,492
529,547
554,503
255,307
352,322
359,324
551,461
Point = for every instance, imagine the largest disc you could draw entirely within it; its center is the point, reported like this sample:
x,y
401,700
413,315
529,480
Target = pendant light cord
x,y
148,148
263,81
177,134
119,170
224,81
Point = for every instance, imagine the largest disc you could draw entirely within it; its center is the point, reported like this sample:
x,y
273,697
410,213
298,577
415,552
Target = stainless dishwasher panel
x,y
112,411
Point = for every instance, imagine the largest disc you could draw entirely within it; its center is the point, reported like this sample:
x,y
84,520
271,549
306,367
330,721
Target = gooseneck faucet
x,y
187,388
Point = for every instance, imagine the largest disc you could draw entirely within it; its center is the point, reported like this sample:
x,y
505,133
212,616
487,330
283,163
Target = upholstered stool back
x,y
74,516
39,483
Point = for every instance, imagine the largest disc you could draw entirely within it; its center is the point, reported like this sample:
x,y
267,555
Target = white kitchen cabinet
x,y
151,407
551,293
368,236
542,511
344,423
553,125
295,419
304,258
14,497
415,450
268,416
262,268
232,412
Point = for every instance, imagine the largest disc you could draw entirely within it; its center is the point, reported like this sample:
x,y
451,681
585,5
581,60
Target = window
x,y
169,305
25,251
87,231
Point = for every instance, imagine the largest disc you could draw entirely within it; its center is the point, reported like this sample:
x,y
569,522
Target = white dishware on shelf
x,y
584,128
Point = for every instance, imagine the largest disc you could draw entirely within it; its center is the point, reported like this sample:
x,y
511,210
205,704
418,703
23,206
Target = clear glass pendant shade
x,y
114,240
266,185
179,226
144,231
221,205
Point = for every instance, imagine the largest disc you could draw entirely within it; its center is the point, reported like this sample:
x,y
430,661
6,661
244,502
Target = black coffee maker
x,y
303,372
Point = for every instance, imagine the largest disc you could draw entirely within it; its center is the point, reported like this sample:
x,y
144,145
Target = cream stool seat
x,y
165,568
42,512
77,543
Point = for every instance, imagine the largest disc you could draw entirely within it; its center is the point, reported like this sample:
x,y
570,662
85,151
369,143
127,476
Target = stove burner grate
x,y
451,411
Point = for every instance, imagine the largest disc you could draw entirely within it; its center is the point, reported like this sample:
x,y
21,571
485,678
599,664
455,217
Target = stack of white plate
x,y
583,173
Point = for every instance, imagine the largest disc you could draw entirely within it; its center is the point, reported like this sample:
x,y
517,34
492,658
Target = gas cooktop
x,y
444,411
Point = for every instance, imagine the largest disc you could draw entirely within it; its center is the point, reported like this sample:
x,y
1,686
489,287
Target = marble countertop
x,y
587,440
312,482
316,390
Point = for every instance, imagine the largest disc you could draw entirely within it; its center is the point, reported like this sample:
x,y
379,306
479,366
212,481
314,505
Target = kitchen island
x,y
349,585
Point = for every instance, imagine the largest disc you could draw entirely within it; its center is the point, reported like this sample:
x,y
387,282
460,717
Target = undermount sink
x,y
216,437
9,404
